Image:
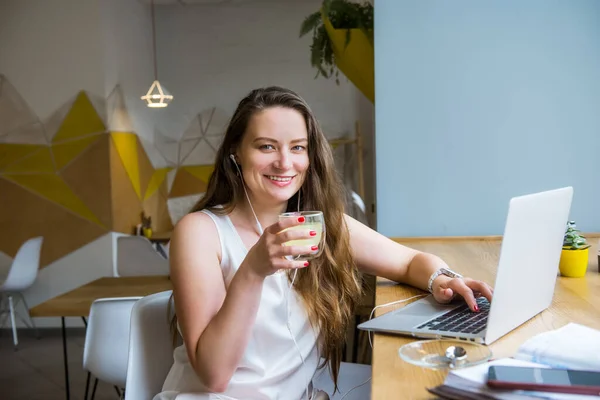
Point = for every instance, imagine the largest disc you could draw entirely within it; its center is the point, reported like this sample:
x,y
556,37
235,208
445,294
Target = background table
x,y
77,302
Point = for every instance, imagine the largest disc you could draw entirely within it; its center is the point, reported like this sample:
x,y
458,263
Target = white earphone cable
x,y
369,332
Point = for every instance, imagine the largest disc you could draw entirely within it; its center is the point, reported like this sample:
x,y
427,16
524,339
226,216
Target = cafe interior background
x,y
82,156
445,116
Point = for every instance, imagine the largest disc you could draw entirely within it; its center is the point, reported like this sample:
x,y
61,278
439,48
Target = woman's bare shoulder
x,y
195,221
197,229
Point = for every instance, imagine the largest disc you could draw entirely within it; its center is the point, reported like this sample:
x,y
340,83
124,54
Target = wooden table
x,y
575,300
77,302
160,237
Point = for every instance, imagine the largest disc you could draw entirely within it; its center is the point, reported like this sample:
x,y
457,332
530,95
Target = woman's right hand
x,y
267,256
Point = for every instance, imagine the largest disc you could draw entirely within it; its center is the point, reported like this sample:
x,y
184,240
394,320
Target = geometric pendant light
x,y
157,96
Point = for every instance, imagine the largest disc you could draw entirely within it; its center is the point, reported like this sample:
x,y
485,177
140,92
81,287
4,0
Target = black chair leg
x,y
118,392
94,389
87,386
356,339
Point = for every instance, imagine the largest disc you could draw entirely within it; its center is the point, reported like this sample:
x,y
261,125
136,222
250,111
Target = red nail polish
x,y
476,308
301,219
313,233
314,248
306,264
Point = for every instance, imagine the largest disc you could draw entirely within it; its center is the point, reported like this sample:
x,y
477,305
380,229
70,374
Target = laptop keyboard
x,y
461,319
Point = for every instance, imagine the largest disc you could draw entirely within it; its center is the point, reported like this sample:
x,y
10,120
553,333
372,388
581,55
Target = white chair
x,y
353,382
151,355
150,347
136,257
107,342
357,208
22,274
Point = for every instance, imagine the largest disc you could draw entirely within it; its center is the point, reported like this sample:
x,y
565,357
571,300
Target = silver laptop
x,y
525,278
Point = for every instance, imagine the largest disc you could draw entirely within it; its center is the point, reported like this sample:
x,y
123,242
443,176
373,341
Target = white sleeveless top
x,y
271,367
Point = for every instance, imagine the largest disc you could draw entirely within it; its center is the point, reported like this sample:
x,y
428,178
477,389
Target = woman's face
x,y
273,154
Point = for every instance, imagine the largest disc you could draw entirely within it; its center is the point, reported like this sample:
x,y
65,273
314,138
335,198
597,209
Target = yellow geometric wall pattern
x,y
82,120
52,187
202,172
74,180
66,151
38,161
158,178
9,153
127,148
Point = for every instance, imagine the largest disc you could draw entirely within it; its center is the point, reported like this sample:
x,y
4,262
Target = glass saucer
x,y
444,353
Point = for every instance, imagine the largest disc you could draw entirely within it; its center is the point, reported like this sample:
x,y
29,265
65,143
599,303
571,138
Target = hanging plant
x,y
342,14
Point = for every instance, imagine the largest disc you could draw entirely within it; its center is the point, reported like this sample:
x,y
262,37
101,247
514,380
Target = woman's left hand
x,y
445,289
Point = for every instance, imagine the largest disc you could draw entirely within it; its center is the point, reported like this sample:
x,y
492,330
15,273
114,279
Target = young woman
x,y
256,325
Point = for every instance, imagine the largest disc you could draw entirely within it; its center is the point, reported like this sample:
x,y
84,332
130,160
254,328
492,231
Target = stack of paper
x,y
573,346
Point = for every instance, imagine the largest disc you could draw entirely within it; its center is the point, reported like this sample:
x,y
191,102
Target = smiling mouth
x,y
280,178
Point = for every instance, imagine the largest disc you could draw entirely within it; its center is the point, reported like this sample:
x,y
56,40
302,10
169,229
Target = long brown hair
x,y
331,286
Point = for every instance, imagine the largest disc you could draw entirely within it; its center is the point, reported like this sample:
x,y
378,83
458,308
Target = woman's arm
x,y
378,255
215,323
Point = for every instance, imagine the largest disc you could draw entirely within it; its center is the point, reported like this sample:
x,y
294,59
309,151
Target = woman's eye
x,y
267,147
298,148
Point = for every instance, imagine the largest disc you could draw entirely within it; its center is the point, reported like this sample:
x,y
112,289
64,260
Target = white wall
x,y
50,50
90,262
213,55
128,63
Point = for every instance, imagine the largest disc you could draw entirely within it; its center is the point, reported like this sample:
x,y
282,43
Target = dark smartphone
x,y
544,379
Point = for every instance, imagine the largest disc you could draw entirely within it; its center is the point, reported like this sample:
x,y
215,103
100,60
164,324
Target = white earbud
x,y
232,158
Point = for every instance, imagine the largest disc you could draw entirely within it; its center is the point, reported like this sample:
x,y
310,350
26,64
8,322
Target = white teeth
x,y
279,179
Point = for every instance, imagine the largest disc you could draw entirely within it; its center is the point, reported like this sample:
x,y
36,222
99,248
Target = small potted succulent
x,y
146,225
575,253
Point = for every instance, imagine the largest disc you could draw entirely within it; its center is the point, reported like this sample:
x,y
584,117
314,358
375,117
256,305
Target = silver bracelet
x,y
441,271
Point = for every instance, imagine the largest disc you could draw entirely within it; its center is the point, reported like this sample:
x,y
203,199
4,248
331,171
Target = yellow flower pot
x,y
357,60
573,263
147,232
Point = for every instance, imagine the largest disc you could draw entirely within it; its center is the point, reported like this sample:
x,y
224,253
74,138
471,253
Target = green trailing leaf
x,y
310,23
343,14
348,35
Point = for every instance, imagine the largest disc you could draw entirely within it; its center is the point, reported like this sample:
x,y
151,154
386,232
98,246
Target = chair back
x,y
107,339
24,267
137,257
357,208
150,347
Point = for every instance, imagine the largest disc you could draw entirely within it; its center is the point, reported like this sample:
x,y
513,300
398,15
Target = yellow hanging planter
x,y
356,60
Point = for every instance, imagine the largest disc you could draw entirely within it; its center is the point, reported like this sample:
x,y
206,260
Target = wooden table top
x,y
161,237
575,300
77,302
